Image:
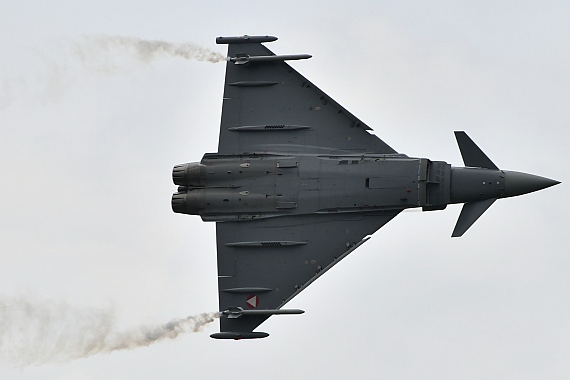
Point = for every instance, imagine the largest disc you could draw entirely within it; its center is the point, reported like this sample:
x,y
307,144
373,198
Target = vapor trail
x,y
146,50
34,332
52,70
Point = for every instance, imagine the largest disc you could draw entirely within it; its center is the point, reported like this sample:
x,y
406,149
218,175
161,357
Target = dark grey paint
x,y
298,183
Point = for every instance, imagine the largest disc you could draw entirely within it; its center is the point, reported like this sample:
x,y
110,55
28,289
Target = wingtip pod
x,y
245,39
239,335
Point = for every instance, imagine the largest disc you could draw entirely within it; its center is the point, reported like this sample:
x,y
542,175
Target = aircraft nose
x,y
517,183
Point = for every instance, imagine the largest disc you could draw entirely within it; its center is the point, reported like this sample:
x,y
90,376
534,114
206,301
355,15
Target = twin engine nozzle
x,y
188,176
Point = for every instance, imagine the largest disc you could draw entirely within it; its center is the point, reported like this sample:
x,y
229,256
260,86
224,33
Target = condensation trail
x,y
55,68
34,332
145,50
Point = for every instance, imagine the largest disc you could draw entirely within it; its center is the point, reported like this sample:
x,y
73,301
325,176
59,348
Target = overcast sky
x,y
89,135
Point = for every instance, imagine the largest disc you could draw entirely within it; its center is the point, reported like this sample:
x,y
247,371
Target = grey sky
x,y
87,147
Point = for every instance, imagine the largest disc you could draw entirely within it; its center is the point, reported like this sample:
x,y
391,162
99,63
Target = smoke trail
x,y
38,332
144,50
46,74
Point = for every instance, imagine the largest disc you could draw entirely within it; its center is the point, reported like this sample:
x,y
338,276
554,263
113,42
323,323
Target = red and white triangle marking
x,y
252,301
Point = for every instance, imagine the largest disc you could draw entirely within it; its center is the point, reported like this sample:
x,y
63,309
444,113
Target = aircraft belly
x,y
299,182
261,186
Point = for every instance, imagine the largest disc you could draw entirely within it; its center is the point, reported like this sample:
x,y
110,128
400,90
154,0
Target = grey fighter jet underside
x,y
299,182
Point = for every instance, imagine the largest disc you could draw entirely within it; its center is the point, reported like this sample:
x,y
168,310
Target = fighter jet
x,y
299,182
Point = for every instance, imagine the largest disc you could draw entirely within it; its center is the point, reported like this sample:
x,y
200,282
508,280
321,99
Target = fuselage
x,y
268,185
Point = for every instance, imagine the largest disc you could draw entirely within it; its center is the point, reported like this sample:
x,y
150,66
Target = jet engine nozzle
x,y
189,175
190,202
